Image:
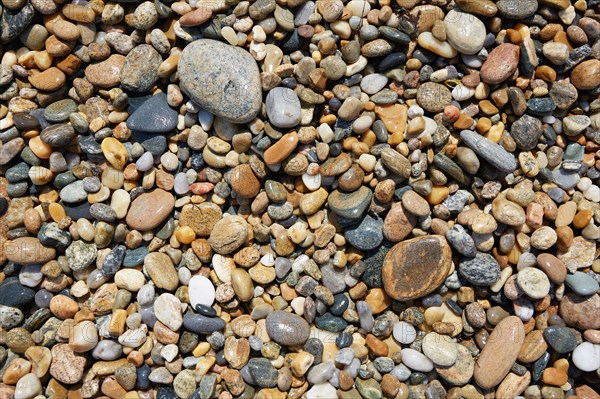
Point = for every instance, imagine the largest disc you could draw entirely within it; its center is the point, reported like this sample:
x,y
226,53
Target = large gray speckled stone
x,y
222,79
13,22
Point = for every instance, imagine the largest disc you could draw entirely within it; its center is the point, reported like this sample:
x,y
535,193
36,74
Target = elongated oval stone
x,y
499,353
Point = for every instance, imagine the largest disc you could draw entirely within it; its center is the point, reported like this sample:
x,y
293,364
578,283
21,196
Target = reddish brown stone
x,y
417,267
576,311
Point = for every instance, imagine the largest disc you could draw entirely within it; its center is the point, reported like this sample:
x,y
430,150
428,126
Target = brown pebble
x,y
499,353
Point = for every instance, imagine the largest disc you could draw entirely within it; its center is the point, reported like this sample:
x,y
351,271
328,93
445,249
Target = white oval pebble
x,y
404,332
28,387
415,360
201,291
586,356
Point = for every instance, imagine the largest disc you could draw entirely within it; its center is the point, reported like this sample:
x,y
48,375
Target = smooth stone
x,y
73,192
575,310
398,224
440,349
534,282
201,324
140,71
287,328
482,270
586,357
263,373
283,107
433,97
159,267
10,317
461,371
350,205
13,22
150,209
28,387
13,294
526,131
228,235
153,116
517,9
561,339
416,361
59,111
367,235
582,283
404,332
465,32
501,63
167,309
416,267
27,251
500,352
373,83
222,79
201,291
490,151
331,323
67,366
200,217
460,239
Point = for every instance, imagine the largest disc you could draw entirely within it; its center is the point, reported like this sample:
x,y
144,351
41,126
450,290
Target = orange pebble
x,y
185,234
39,148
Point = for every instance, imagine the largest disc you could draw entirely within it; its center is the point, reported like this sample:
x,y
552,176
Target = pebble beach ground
x,y
295,199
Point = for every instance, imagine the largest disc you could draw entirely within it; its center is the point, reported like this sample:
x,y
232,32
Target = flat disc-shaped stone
x,y
416,267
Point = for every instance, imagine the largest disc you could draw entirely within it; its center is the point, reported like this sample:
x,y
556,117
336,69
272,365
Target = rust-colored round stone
x,y
416,267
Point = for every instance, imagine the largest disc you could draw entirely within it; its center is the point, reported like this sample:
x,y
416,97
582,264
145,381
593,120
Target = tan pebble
x,y
242,284
500,352
513,385
28,250
48,80
40,358
63,307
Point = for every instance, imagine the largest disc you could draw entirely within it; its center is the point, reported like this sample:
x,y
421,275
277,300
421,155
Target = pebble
x,y
481,270
287,329
490,151
283,107
222,79
350,205
440,349
416,267
28,250
201,324
499,353
271,243
416,361
526,132
153,116
167,309
582,284
464,31
367,235
150,209
561,339
586,356
501,63
533,282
